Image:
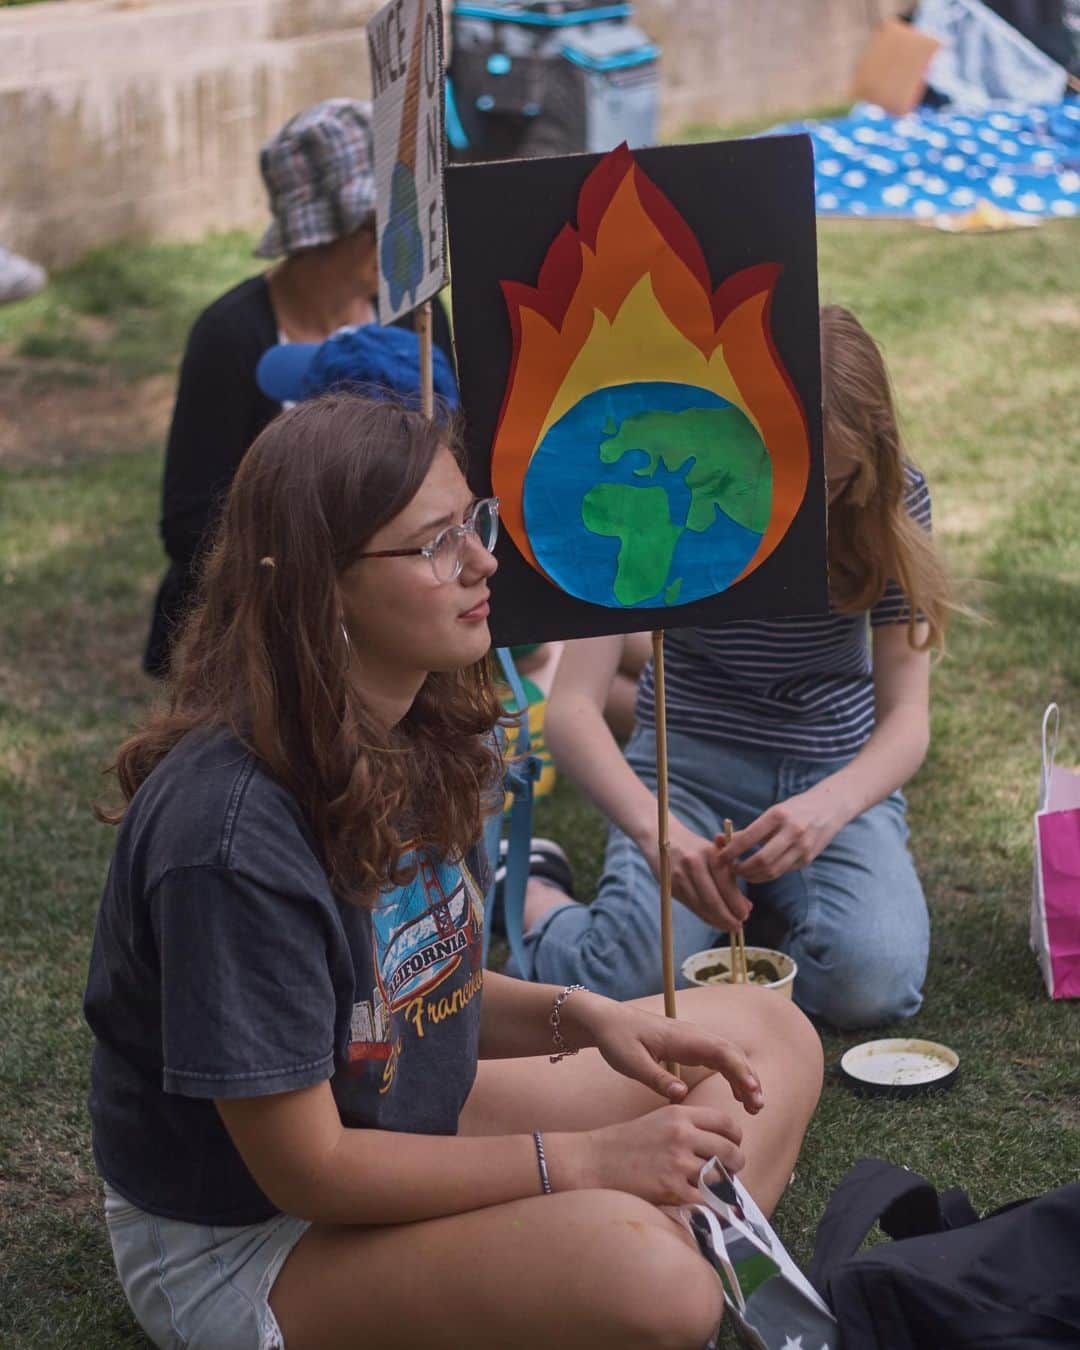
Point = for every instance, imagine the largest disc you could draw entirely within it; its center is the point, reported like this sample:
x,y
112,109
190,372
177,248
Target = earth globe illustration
x,y
648,494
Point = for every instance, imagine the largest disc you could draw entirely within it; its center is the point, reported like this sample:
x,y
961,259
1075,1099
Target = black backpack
x,y
951,1281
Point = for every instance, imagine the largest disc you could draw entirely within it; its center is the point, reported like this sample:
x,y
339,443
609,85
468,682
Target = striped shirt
x,y
801,686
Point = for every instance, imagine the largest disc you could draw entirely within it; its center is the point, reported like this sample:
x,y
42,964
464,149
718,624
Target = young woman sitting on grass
x,y
802,731
298,1144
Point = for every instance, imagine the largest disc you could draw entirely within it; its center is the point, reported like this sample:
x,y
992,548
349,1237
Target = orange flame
x,y
627,296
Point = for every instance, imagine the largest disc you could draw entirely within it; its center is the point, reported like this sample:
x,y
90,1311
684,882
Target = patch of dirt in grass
x,y
108,670
19,763
1067,1115
52,413
1059,310
26,1195
971,519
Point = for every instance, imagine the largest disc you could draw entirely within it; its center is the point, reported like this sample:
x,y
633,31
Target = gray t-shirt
x,y
222,966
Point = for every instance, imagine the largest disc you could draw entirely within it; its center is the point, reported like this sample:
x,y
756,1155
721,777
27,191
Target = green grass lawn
x,y
981,336
125,309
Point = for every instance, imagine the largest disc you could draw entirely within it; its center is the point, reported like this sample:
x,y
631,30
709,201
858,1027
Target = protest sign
x,y
405,42
637,339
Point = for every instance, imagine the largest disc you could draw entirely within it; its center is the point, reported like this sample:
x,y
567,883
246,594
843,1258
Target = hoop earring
x,y
345,635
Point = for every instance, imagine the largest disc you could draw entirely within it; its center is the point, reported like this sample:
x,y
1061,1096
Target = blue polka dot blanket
x,y
927,164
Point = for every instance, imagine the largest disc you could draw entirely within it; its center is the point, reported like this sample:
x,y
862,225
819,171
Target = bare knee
x,y
681,1309
786,1048
658,1293
769,1029
779,1024
778,1039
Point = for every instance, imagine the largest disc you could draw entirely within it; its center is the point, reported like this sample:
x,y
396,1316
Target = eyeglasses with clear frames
x,y
446,552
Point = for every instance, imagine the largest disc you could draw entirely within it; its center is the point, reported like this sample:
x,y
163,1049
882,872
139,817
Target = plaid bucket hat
x,y
319,172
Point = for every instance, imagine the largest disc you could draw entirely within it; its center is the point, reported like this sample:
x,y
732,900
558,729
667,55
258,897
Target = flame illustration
x,y
626,297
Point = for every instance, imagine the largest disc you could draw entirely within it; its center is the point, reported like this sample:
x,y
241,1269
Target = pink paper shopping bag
x,y
1055,898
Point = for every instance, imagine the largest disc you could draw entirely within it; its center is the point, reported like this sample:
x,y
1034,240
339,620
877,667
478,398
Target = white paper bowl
x,y
721,956
899,1067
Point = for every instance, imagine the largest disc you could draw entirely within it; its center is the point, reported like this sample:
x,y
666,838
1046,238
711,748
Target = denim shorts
x,y
197,1287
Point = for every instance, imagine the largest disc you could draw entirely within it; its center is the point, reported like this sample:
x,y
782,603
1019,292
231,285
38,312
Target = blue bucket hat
x,y
372,359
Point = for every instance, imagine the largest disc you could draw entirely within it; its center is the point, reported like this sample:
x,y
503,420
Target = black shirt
x,y
218,413
222,966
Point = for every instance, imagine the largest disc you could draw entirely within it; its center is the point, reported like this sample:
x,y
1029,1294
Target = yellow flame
x,y
615,354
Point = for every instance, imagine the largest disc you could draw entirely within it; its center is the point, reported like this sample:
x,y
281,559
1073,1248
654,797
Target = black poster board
x,y
631,294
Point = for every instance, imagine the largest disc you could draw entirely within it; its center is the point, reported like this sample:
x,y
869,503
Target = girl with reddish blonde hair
x,y
319,1121
802,731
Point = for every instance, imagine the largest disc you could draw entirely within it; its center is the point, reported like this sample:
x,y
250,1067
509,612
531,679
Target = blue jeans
x,y
855,917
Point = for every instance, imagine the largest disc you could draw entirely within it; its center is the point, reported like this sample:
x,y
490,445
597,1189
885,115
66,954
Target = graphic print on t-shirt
x,y
422,933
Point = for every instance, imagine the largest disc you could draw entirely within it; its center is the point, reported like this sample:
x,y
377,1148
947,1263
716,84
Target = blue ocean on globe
x,y
568,477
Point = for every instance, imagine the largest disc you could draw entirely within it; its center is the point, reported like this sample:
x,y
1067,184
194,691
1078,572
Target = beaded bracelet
x,y
541,1162
561,1048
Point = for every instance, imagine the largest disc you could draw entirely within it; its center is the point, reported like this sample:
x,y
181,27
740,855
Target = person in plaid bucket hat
x,y
320,181
319,172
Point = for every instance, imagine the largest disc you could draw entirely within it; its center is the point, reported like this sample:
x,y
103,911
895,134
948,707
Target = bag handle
x,y
517,853
513,679
873,1190
1051,715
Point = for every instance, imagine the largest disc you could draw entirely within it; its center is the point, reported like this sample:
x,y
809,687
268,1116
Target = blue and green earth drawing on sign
x,y
402,254
646,495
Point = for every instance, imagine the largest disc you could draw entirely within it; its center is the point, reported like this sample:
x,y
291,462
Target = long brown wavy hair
x,y
872,539
263,652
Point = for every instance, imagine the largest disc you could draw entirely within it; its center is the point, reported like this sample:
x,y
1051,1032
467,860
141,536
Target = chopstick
x,y
740,974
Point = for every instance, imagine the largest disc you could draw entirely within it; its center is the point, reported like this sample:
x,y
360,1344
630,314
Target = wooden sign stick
x,y
666,941
427,387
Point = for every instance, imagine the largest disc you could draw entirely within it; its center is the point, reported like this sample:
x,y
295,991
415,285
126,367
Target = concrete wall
x,y
144,120
725,60
131,119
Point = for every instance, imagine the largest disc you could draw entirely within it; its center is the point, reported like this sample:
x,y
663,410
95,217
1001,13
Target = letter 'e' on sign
x,y
405,42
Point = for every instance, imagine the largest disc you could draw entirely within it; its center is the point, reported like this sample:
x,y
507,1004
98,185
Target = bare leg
x,y
585,1270
540,896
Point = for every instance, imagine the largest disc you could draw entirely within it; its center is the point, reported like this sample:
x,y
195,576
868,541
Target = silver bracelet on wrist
x,y
561,1048
541,1162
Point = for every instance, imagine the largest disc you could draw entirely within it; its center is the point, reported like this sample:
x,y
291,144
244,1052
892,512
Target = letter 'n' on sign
x,y
406,47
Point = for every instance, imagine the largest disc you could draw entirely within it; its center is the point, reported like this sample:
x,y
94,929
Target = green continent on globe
x,y
640,518
730,470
